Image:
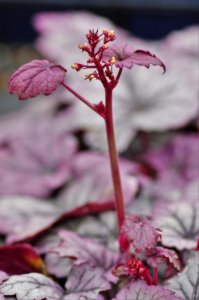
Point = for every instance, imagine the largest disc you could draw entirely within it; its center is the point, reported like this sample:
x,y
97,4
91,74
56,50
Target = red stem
x,y
108,117
82,99
155,276
119,203
118,76
197,247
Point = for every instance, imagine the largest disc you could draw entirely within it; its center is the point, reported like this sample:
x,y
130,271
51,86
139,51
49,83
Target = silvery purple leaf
x,y
151,108
96,230
33,286
40,158
36,77
138,231
186,283
32,115
127,57
101,227
22,222
164,189
177,167
184,41
177,160
139,290
83,250
179,223
13,124
160,255
85,282
93,183
57,266
22,217
3,276
45,243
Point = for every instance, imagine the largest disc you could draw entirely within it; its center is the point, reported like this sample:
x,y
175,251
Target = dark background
x,y
150,19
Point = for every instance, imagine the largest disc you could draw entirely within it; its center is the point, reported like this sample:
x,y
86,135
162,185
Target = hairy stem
x,y
119,203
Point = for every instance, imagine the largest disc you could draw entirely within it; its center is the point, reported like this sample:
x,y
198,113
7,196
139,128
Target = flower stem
x,y
197,247
155,276
81,98
119,203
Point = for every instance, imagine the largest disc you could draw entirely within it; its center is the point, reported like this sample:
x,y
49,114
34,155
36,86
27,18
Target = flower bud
x,y
110,34
104,46
84,47
113,60
89,76
76,67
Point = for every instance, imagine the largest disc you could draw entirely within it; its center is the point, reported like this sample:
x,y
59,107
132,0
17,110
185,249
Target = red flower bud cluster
x,y
95,46
137,269
133,267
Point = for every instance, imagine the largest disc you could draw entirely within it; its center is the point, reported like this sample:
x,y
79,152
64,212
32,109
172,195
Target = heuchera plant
x,y
138,239
42,77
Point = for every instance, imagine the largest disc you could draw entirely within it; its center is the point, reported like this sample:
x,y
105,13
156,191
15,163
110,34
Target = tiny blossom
x,y
123,55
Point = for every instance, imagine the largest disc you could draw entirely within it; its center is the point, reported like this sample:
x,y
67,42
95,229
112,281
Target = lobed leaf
x,y
179,224
34,78
176,162
186,283
58,266
95,184
139,231
85,282
102,227
160,255
42,166
139,290
84,250
184,41
127,57
23,217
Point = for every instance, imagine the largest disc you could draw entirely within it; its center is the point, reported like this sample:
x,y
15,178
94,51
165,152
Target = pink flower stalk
x,y
43,77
